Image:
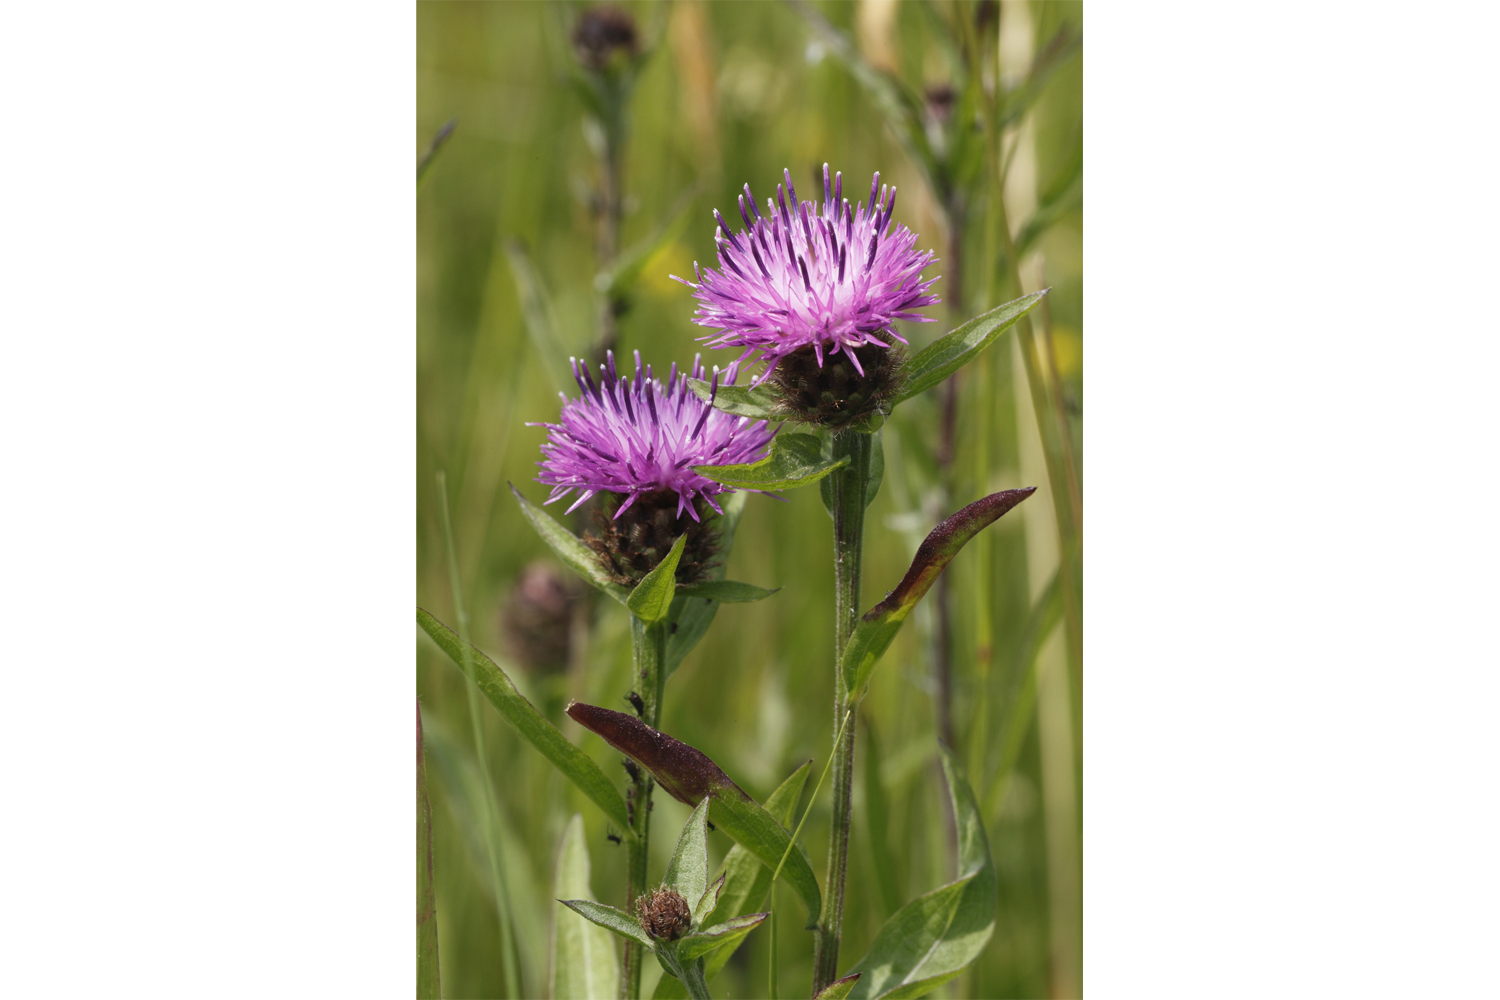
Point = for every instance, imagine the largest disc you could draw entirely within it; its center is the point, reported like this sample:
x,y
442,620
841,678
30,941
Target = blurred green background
x,y
733,92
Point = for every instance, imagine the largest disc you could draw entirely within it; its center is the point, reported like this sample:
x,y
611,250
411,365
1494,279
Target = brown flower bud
x,y
663,914
536,618
601,33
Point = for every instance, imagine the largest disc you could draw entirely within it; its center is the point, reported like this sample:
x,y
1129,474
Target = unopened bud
x,y
663,914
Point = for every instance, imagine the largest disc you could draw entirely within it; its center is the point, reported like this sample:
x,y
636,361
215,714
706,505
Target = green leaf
x,y
957,348
877,469
689,620
1063,194
1053,55
584,966
725,591
567,547
935,937
709,901
839,988
691,946
742,401
577,766
794,460
611,919
429,983
687,872
875,631
747,882
688,774
652,597
541,324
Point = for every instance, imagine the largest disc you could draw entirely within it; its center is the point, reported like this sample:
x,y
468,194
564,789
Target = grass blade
x,y
584,966
429,978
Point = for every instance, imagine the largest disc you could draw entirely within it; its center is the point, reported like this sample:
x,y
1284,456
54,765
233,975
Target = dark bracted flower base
x,y
632,546
835,394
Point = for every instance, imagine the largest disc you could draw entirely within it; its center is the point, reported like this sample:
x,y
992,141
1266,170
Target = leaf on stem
x,y
612,919
577,766
583,953
725,591
567,547
950,352
795,460
742,401
935,937
688,775
746,882
878,627
687,872
652,597
839,988
702,942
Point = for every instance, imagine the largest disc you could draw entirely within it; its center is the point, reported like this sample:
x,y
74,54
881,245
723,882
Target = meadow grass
x,y
734,93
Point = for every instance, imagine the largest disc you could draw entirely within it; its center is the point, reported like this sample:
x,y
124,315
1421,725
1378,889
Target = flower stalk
x,y
648,646
848,491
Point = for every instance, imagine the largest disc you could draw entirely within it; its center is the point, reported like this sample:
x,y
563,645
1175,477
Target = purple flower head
x,y
639,436
830,276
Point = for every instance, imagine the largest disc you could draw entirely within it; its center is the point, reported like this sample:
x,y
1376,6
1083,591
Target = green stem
x,y
693,979
648,647
848,486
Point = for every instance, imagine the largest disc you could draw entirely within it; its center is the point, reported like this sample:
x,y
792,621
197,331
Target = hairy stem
x,y
648,646
848,484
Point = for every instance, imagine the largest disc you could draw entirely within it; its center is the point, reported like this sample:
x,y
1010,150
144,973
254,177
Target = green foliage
x,y
527,721
757,403
957,348
652,597
584,963
611,919
725,591
567,547
839,988
934,937
687,873
876,630
794,460
688,775
689,619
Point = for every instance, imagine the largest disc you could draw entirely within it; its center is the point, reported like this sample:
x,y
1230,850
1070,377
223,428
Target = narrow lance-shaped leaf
x,y
429,984
742,401
584,966
746,882
935,937
569,548
652,597
875,631
531,724
950,352
794,460
608,917
687,872
688,774
729,932
725,591
839,988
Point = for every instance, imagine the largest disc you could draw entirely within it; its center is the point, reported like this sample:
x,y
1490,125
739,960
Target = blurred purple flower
x,y
640,436
831,277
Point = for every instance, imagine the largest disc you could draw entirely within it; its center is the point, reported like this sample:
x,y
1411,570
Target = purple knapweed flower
x,y
640,436
831,277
